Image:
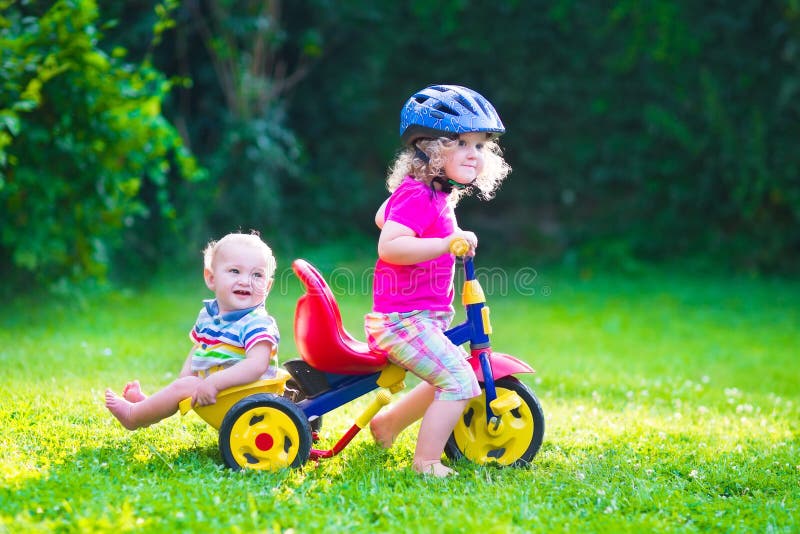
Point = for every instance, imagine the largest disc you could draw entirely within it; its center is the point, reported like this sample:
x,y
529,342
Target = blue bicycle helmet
x,y
443,110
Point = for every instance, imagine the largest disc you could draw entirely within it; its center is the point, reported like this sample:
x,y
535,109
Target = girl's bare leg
x,y
387,425
158,406
437,425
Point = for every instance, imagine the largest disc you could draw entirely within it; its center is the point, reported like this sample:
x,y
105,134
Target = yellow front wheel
x,y
512,440
264,432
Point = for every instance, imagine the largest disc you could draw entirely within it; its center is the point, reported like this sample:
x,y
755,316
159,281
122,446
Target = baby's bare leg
x,y
158,406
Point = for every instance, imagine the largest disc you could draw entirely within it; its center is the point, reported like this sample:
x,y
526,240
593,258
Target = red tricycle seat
x,y
318,332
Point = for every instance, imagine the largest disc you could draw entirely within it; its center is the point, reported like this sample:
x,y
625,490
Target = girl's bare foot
x,y
121,409
133,392
380,433
433,468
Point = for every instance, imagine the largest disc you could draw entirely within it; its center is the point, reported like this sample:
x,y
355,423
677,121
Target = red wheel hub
x,y
264,442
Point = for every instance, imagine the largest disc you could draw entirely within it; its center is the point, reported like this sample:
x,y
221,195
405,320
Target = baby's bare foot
x,y
380,433
133,392
121,409
433,468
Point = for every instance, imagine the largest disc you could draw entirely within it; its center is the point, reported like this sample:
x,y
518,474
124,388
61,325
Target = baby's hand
x,y
469,237
205,394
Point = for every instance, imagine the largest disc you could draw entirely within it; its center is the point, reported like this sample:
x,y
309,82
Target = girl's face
x,y
464,162
238,277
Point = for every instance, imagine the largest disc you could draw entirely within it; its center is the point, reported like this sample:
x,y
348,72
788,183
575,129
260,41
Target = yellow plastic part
x,y
214,413
487,324
472,293
381,399
505,403
392,378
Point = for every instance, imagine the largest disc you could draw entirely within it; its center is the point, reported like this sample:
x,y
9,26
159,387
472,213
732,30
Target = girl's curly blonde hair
x,y
408,162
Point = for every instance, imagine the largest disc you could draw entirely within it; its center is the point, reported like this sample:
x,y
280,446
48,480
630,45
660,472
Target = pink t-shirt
x,y
422,286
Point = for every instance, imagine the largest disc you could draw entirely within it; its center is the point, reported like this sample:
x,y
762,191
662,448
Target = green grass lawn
x,y
671,402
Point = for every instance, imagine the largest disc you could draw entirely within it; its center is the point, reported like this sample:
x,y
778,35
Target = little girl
x,y
449,132
235,339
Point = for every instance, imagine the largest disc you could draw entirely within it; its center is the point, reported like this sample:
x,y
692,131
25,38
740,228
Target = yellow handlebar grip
x,y
459,246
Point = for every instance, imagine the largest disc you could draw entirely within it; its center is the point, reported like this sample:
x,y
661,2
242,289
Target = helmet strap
x,y
447,185
420,154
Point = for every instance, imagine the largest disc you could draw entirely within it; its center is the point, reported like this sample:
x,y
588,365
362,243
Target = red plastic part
x,y
502,364
318,332
316,454
264,442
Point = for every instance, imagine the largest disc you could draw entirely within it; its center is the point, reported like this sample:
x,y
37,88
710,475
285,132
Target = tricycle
x,y
272,424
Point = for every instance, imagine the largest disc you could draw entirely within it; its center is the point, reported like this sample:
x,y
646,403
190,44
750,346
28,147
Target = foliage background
x,y
651,131
638,131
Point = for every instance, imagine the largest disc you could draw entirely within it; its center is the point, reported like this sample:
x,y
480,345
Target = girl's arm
x,y
380,215
399,244
255,364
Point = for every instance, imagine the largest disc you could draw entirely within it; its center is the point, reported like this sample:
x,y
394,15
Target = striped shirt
x,y
223,339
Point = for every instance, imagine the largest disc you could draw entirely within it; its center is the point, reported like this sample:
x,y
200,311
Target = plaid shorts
x,y
415,341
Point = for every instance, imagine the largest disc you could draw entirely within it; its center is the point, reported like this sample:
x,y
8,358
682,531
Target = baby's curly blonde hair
x,y
495,168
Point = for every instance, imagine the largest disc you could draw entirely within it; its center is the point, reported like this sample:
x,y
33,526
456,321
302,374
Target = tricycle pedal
x,y
505,402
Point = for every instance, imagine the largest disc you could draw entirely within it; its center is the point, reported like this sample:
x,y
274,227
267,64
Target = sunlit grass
x,y
671,404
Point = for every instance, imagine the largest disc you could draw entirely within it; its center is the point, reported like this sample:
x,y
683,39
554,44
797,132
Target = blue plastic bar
x,y
488,382
341,392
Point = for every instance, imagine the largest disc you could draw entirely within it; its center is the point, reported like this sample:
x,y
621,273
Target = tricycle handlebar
x,y
459,246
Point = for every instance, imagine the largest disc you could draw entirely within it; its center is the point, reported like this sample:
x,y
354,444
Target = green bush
x,y
81,133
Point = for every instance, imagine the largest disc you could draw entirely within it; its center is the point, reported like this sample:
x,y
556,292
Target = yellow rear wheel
x,y
264,432
513,441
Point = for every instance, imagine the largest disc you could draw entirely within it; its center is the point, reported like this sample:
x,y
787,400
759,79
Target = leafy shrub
x,y
81,133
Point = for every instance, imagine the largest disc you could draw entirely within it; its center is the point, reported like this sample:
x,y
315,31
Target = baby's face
x,y
238,277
